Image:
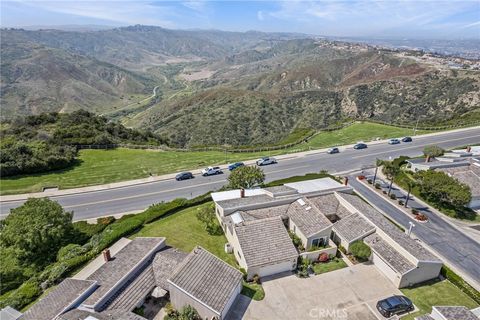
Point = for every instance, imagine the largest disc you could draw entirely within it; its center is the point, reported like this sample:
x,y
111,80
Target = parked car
x,y
333,150
184,176
235,165
360,145
407,139
393,141
210,171
394,305
266,161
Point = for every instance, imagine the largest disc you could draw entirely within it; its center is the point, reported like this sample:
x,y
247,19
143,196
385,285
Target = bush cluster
x,y
460,283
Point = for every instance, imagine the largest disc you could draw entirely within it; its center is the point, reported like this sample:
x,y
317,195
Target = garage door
x,y
385,268
274,269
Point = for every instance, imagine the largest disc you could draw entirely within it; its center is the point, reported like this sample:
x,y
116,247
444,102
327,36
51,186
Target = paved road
x,y
458,249
138,197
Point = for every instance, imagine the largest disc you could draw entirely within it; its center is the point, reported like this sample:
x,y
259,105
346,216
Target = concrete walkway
x,y
171,176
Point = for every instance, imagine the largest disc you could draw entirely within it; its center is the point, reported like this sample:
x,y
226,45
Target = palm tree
x,y
391,172
410,186
378,163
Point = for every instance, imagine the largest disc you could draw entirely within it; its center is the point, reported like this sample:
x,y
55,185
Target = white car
x,y
210,171
394,141
266,161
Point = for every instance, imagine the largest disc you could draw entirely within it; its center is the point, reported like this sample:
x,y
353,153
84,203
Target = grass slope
x,y
440,293
183,231
107,166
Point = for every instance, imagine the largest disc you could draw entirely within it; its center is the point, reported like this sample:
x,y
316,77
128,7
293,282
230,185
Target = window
x,y
318,242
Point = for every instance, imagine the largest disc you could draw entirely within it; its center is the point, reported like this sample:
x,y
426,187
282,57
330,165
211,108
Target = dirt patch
x,y
197,74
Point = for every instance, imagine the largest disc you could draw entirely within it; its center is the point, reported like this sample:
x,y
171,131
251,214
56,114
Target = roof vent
x,y
301,202
308,208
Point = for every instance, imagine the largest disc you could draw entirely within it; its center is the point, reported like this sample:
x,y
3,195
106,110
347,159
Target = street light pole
x,y
410,228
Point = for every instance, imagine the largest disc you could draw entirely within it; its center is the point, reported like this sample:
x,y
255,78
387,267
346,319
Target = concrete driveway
x,y
346,294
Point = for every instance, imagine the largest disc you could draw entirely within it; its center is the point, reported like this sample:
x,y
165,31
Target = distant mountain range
x,y
216,87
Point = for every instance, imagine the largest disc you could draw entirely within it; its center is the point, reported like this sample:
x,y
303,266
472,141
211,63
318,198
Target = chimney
x,y
106,255
346,181
469,149
242,193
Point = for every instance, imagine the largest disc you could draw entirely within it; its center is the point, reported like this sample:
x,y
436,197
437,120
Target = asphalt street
x,y
447,241
137,197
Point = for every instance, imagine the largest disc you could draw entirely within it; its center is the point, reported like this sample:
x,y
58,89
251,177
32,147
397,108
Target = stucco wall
x,y
332,250
180,299
425,271
230,302
277,267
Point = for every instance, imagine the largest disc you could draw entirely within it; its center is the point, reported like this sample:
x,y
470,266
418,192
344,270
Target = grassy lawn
x,y
332,265
253,291
440,293
106,166
183,231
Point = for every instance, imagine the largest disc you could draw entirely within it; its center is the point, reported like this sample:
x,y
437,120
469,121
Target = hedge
x,y
106,236
460,283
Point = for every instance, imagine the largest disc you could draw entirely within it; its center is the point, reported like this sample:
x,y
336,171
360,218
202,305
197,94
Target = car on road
x,y
393,141
184,176
406,139
210,171
235,165
394,305
333,150
360,145
265,161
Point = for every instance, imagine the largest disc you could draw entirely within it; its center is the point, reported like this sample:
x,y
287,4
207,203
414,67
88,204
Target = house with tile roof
x,y
451,313
317,211
205,282
113,285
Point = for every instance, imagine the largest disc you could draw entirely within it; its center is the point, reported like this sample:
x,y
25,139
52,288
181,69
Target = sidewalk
x,y
171,176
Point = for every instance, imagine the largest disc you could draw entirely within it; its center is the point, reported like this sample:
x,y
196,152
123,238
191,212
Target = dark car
x,y
360,146
184,176
235,165
394,305
407,139
333,150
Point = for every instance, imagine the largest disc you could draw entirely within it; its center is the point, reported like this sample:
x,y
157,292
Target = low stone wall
x,y
313,255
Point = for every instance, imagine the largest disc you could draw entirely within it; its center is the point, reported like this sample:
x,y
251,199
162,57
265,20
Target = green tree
x,y
432,152
206,215
36,230
360,250
439,187
410,185
391,171
246,177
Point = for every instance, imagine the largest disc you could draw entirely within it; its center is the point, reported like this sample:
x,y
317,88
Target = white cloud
x,y
127,12
260,15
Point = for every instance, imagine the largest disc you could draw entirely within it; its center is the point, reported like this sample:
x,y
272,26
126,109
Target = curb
x,y
171,176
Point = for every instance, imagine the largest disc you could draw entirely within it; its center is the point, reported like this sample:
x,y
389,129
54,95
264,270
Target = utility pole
x,y
409,231
416,126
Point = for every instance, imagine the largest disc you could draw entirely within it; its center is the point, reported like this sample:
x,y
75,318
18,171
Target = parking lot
x,y
346,294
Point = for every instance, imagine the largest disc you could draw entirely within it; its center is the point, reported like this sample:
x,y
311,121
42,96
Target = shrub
x,y
370,181
393,196
384,192
460,283
421,217
401,202
323,257
106,220
244,272
25,294
377,185
256,279
414,211
362,177
342,249
360,250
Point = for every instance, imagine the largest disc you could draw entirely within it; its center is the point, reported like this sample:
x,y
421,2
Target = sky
x,y
434,19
